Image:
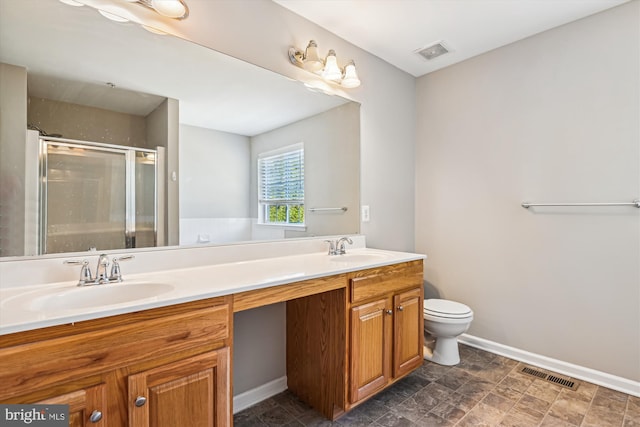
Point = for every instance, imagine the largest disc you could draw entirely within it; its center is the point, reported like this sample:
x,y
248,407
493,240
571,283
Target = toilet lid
x,y
446,308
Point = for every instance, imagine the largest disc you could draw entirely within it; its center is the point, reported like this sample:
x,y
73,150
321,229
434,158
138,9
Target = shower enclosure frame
x,y
129,154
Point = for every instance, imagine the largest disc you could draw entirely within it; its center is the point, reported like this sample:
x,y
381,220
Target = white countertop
x,y
31,307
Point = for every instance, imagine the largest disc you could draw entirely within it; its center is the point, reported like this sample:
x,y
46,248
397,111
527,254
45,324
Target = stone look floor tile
x,y
550,421
483,390
515,419
598,416
432,420
532,404
633,408
570,408
544,391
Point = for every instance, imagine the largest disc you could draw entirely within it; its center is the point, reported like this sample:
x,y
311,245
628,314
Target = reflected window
x,y
281,186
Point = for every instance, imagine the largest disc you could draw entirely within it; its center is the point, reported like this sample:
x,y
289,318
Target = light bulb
x,y
311,60
350,79
331,70
169,8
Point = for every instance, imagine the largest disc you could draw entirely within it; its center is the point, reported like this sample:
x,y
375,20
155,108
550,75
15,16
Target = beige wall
x,y
74,121
13,126
554,117
214,181
163,131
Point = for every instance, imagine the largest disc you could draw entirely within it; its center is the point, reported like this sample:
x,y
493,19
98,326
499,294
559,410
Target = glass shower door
x,y
85,191
145,200
97,196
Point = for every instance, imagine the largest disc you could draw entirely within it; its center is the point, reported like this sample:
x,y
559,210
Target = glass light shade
x,y
311,60
331,70
350,79
112,16
169,8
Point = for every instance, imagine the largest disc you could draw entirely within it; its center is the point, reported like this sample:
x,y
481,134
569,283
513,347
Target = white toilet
x,y
445,320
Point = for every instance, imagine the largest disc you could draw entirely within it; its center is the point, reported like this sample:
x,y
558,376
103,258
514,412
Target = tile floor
x,y
483,390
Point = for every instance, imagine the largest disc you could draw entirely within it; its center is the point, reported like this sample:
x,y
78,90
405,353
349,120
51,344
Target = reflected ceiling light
x,y
72,2
169,8
154,30
327,69
176,9
112,16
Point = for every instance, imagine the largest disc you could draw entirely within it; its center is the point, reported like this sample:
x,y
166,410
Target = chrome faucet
x,y
101,269
337,247
101,278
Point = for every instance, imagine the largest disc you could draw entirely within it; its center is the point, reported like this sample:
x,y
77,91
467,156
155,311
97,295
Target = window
x,y
281,186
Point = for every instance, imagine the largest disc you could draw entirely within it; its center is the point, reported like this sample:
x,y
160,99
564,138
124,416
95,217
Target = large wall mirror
x,y
193,126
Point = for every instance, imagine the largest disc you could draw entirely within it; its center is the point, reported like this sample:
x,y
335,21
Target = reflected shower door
x,y
96,196
145,200
85,195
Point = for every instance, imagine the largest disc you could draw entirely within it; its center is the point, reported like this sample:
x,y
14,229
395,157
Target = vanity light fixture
x,y
176,9
327,69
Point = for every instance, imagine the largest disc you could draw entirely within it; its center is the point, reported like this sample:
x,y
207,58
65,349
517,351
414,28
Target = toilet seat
x,y
446,309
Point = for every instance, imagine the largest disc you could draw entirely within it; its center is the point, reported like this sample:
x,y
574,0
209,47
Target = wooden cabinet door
x,y
87,407
370,348
193,392
408,331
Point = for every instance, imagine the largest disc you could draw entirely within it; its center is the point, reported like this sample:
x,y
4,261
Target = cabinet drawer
x,y
40,364
375,282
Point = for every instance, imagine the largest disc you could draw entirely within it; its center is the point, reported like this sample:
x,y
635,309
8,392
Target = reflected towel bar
x,y
343,209
635,203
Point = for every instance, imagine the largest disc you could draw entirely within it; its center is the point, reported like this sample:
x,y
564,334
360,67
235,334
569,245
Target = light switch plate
x,y
365,213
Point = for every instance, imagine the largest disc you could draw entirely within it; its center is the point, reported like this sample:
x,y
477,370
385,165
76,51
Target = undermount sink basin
x,y
360,257
98,295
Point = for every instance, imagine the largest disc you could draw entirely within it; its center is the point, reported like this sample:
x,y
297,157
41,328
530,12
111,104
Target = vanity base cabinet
x,y
176,358
87,406
386,327
317,351
370,349
346,345
191,392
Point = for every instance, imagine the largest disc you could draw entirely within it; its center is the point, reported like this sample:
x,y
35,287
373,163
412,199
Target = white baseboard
x,y
579,372
258,394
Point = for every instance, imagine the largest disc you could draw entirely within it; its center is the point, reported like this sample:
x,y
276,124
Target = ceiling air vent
x,y
433,50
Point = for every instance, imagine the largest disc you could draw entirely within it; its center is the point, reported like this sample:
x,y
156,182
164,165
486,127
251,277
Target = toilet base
x,y
445,352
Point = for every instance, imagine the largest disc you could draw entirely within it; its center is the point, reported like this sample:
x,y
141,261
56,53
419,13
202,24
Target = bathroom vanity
x,y
354,326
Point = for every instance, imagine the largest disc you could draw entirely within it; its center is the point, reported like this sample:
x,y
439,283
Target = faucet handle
x,y
85,271
332,247
340,249
116,274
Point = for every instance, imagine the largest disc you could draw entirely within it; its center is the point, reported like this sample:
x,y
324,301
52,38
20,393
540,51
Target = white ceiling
x,y
394,29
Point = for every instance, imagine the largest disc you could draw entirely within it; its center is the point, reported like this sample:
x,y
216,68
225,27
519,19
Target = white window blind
x,y
281,192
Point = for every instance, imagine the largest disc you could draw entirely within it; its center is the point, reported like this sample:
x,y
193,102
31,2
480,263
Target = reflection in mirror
x,y
68,73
